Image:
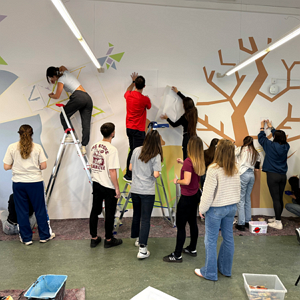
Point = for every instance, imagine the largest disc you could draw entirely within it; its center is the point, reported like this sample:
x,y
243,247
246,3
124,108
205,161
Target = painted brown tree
x,y
239,110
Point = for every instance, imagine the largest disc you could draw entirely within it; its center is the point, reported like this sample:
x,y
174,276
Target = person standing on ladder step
x,y
105,165
136,115
80,101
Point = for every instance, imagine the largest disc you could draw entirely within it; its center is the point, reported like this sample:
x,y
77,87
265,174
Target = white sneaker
x,y
52,236
235,221
277,225
272,220
298,234
69,139
83,150
27,243
143,253
137,243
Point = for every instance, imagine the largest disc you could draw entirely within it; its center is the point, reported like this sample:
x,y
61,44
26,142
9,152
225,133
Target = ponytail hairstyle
x,y
51,72
191,114
225,157
151,147
248,141
196,154
25,142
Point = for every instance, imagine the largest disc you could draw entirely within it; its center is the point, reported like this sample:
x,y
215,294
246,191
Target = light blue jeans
x,y
293,208
244,206
215,218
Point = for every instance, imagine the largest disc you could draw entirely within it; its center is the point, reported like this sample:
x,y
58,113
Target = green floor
x,y
116,273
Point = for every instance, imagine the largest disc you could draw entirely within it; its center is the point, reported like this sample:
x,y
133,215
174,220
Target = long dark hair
x,y
25,142
191,114
248,142
280,137
196,154
209,153
151,147
51,72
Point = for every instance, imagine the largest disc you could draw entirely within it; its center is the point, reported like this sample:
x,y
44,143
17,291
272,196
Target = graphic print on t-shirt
x,y
98,164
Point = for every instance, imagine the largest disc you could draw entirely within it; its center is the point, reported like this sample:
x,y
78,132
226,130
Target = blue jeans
x,y
293,208
142,210
244,206
215,218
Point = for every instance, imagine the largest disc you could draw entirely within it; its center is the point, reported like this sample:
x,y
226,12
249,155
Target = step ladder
x,y
61,152
126,193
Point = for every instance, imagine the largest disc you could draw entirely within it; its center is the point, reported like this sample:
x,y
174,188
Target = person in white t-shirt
x,y
80,101
26,160
248,160
105,165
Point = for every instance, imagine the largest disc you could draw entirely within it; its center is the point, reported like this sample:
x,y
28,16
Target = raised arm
x,y
62,69
133,77
174,88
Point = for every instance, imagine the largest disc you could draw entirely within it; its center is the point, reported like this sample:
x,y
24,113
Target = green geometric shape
x,y
110,45
117,57
2,61
107,66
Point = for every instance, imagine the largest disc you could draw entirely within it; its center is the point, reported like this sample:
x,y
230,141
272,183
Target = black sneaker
x,y
298,234
112,243
172,258
127,178
94,243
189,252
240,227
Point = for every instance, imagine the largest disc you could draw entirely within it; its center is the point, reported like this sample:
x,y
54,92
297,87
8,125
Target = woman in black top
x,y
188,120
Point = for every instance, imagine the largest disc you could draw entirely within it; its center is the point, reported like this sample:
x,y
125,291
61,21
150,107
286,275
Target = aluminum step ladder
x,y
61,152
126,194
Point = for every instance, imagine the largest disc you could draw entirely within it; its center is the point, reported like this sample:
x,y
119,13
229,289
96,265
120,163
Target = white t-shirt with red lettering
x,y
104,157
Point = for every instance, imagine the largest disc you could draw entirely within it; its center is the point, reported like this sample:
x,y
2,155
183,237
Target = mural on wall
x,y
110,59
239,124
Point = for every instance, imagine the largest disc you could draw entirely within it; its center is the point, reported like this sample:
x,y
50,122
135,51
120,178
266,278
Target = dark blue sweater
x,y
276,155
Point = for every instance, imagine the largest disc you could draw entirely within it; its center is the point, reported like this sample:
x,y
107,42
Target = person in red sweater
x,y
136,115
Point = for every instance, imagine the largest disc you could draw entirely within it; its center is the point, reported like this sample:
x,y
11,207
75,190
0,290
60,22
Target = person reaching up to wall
x,y
145,165
80,101
136,116
275,165
248,160
193,167
27,159
188,120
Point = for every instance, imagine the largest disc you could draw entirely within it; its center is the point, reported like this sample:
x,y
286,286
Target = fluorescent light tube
x,y
284,39
67,18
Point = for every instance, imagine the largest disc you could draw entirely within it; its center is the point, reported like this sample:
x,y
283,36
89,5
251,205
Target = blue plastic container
x,y
48,287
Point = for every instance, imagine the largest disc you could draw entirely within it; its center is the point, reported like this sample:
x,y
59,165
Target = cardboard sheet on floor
x,y
151,293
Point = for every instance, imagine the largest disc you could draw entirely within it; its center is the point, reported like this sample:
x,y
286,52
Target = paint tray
x,y
50,287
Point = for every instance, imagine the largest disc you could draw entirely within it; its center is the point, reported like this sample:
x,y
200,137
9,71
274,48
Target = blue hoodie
x,y
276,155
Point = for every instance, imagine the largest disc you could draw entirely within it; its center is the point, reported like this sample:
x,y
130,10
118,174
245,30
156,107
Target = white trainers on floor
x,y
143,253
277,225
52,236
83,150
298,234
272,220
137,243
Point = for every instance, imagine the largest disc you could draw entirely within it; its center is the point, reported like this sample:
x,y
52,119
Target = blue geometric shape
x,y
2,17
102,60
114,66
6,80
8,135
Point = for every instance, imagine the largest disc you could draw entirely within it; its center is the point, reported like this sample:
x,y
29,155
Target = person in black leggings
x,y
275,165
188,120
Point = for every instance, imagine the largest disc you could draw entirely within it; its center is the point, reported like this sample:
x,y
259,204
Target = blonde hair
x,y
25,142
196,154
225,157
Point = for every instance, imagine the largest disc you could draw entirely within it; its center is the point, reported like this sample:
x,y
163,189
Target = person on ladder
x,y
80,101
136,116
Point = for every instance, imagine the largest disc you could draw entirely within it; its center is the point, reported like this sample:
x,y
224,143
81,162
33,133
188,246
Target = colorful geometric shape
x,y
2,61
117,56
107,66
6,80
109,61
109,51
110,45
2,17
114,66
102,60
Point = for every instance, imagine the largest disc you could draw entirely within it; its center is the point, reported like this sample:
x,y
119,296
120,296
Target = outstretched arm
x,y
62,69
174,88
133,77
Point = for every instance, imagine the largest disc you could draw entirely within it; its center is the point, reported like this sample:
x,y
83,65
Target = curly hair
x,y
25,142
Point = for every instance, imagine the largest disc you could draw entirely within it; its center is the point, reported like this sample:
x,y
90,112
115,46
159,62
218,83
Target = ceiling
x,y
291,7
